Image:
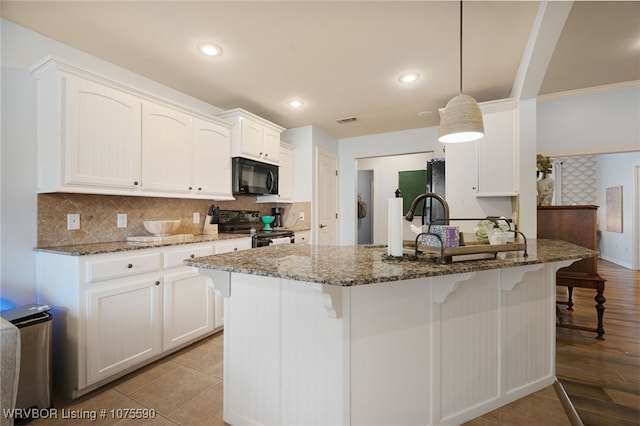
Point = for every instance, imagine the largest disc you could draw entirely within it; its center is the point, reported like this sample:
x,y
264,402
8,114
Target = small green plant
x,y
544,165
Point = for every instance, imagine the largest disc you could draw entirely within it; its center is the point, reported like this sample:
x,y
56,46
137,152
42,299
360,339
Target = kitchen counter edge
x,y
121,246
367,264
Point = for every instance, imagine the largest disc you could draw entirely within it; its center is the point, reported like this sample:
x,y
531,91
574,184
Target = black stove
x,y
248,222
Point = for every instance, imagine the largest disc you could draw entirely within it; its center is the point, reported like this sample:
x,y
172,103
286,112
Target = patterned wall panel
x,y
579,179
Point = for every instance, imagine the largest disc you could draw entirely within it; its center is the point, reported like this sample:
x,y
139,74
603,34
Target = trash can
x,y
34,382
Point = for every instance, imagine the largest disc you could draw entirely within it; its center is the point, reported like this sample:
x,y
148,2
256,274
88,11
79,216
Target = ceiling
x,y
341,58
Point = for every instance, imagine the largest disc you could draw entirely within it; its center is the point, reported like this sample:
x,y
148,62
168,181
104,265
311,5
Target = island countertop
x,y
367,264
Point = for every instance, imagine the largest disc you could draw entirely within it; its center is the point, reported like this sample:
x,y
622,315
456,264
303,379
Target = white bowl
x,y
161,228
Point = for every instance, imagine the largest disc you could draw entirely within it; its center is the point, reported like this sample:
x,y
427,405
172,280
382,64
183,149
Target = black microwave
x,y
254,177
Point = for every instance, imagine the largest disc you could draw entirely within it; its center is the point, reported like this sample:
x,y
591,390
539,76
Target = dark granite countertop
x,y
118,246
366,264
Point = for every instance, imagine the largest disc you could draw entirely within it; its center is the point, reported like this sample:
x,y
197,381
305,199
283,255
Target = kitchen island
x,y
344,335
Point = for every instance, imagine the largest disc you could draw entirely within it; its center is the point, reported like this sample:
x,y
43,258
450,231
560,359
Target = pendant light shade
x,y
461,119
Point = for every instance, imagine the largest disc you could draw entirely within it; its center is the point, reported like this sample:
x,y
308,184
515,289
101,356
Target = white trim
x,y
593,151
635,218
588,91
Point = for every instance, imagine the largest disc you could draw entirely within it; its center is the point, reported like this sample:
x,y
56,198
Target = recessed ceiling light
x,y
210,49
409,77
295,103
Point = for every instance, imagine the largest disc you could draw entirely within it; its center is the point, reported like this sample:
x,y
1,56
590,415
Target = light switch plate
x,y
73,221
122,220
301,217
196,217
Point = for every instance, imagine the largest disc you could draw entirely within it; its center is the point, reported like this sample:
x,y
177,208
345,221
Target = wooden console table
x,y
578,225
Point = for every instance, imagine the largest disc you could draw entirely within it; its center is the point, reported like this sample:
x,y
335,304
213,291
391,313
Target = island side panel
x,y
252,361
314,361
528,301
390,352
466,346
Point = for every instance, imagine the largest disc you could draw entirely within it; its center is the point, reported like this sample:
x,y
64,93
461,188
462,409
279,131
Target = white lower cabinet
x,y
115,312
123,323
189,306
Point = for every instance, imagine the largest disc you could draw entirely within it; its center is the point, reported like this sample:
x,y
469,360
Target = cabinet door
x,y
271,145
123,325
285,175
496,155
252,138
102,128
166,149
188,306
212,159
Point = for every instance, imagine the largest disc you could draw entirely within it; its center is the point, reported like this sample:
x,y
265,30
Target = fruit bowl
x,y
267,220
161,228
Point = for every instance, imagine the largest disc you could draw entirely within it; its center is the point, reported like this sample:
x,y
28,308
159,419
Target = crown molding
x,y
589,91
592,151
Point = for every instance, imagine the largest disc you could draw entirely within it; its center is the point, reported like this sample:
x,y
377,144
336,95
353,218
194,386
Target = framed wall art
x,y
614,209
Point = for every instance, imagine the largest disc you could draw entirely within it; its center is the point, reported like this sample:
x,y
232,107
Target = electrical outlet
x,y
196,217
122,220
301,217
73,221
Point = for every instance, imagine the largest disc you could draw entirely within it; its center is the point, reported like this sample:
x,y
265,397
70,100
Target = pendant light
x,y
461,119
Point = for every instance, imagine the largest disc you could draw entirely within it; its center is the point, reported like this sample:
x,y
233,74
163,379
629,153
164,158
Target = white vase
x,y
545,191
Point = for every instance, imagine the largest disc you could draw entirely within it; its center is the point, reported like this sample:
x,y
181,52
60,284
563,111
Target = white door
x,y
326,198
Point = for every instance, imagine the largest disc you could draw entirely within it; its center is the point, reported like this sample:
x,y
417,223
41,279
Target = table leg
x,y
600,310
570,299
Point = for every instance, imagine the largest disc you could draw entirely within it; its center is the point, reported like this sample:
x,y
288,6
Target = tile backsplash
x,y
98,215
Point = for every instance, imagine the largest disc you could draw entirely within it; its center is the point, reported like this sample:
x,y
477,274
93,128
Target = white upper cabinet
x,y
486,167
497,151
212,159
99,136
102,133
167,154
253,137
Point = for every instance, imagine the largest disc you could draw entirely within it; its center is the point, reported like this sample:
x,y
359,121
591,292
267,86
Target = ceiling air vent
x,y
346,120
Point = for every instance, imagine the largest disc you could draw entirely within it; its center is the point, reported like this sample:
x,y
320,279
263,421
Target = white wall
x,y
617,170
379,145
22,48
385,183
596,121
589,122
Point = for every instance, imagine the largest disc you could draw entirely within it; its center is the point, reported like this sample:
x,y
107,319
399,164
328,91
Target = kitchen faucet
x,y
421,197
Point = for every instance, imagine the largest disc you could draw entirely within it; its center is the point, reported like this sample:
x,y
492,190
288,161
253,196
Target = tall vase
x,y
545,191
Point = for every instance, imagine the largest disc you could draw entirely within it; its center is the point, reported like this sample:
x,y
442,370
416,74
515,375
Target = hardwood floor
x,y
602,377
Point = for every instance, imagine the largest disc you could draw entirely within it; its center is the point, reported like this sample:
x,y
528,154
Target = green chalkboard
x,y
411,184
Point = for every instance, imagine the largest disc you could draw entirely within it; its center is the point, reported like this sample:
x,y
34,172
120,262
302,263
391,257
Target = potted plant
x,y
545,184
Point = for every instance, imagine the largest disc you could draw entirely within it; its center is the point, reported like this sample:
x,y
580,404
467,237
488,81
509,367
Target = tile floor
x,y
186,389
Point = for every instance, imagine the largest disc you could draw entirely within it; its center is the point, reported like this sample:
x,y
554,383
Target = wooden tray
x,y
473,248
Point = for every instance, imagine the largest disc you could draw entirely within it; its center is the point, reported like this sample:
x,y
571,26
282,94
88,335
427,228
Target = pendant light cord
x,y
461,47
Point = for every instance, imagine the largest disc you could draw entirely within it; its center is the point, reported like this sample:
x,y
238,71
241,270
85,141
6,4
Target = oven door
x,y
254,177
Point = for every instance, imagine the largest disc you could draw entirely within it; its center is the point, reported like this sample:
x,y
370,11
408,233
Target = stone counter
x,y
364,264
118,246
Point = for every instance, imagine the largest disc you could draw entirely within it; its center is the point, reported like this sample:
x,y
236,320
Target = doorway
x,y
365,206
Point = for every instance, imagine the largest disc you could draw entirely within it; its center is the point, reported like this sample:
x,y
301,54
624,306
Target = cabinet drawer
x,y
175,258
122,266
236,244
